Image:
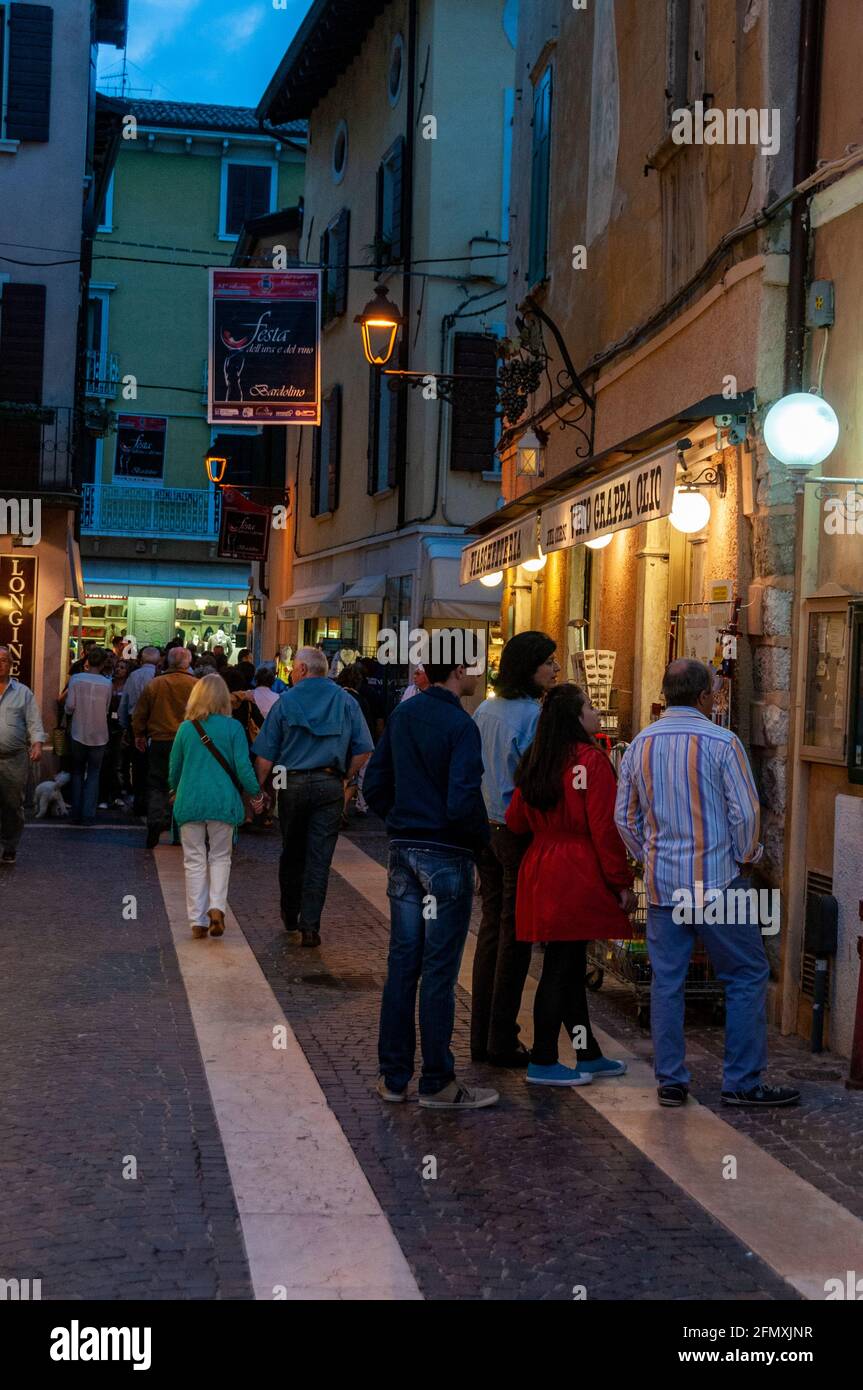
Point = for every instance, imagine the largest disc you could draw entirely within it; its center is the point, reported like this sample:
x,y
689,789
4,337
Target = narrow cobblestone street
x,y
116,1183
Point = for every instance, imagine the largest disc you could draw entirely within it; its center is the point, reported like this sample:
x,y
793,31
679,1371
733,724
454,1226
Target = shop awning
x,y
325,601
511,545
366,596
641,491
169,579
444,595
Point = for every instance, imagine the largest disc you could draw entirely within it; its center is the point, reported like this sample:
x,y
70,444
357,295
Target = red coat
x,y
576,863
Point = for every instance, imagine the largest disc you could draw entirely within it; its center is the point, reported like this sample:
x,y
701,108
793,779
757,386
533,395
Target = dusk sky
x,y
222,51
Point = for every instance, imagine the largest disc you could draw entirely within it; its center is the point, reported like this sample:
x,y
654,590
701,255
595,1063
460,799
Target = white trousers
x,y
207,872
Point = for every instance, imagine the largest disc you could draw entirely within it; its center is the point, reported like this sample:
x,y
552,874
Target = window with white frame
x,y
248,191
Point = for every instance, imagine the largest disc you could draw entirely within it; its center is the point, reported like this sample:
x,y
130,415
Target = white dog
x,y
49,797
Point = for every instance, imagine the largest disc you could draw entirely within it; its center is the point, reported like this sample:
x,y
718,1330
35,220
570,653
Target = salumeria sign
x,y
639,492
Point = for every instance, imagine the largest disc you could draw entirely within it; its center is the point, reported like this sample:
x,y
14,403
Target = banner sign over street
x,y
17,609
639,492
264,360
509,546
244,532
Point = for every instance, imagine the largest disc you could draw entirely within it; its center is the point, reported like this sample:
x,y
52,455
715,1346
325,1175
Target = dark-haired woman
x,y
506,723
574,884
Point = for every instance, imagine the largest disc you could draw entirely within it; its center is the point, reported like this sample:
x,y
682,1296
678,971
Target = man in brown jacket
x,y
157,716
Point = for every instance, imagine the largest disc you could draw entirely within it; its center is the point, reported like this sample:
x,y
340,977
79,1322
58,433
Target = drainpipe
x,y
408,231
805,556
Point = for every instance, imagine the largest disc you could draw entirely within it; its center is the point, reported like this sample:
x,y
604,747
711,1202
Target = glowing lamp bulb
x,y
491,581
690,511
600,543
800,430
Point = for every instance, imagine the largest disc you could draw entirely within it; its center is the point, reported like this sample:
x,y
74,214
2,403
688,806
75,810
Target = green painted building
x,y
187,180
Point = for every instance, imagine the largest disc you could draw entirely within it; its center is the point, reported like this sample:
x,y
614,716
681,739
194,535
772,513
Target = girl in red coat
x,y
574,884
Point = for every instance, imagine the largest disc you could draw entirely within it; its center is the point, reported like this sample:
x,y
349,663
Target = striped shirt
x,y
687,806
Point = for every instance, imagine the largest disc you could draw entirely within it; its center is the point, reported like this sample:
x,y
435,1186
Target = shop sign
x,y
639,492
140,447
244,533
265,361
501,550
17,613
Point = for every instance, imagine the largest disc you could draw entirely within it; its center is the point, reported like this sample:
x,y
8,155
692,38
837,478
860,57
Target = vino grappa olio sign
x,y
17,612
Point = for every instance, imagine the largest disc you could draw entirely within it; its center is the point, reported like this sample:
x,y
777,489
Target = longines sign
x,y
17,610
639,492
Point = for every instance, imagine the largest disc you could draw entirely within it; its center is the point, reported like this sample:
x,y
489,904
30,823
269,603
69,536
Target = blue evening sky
x,y
221,51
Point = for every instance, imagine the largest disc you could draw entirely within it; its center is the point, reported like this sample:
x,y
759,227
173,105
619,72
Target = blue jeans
x,y
310,812
737,954
431,894
86,766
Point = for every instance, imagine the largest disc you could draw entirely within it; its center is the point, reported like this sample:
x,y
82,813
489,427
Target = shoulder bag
x,y
222,761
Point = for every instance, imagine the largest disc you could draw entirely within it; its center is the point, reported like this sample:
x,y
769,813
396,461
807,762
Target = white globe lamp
x,y
491,581
534,566
801,430
600,543
690,510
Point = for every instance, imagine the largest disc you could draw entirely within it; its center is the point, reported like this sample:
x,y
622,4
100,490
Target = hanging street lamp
x,y
801,430
215,468
380,322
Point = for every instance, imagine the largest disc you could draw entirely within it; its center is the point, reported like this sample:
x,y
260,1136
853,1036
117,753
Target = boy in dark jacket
x,y
425,779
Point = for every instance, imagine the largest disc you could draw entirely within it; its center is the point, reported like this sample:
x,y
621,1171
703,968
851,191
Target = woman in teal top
x,y
208,807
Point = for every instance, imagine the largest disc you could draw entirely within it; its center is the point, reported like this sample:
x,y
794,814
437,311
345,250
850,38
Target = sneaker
x,y
519,1057
9,856
217,921
672,1095
558,1075
456,1096
762,1096
198,931
385,1093
602,1066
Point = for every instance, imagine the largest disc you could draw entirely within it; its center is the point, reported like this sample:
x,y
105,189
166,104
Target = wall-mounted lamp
x,y
380,322
215,468
242,609
530,454
534,566
800,431
600,543
690,510
491,581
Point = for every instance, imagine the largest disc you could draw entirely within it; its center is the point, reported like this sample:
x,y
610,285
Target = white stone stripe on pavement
x,y
803,1235
312,1226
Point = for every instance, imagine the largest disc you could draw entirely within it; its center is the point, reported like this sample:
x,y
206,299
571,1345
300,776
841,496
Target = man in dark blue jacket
x,y
425,779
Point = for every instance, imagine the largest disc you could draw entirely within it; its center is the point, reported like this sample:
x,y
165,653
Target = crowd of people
x,y
519,799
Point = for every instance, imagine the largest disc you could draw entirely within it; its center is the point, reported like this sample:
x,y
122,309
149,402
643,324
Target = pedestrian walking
x,y
507,723
88,701
21,739
315,737
688,809
425,780
264,694
135,683
574,881
418,682
209,770
158,714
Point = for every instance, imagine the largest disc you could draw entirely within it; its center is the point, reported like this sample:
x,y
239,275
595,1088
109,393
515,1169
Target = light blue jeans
x,y
736,952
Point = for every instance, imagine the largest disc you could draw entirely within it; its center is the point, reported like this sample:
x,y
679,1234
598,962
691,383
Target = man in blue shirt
x,y
312,740
424,778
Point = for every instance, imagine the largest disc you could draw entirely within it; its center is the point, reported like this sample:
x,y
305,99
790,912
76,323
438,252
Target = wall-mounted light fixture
x,y
690,510
530,454
215,468
379,322
800,431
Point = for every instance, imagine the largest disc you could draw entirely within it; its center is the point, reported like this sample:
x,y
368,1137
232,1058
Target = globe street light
x,y
800,431
690,511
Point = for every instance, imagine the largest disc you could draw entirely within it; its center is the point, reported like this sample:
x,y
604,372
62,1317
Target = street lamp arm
x,y
530,308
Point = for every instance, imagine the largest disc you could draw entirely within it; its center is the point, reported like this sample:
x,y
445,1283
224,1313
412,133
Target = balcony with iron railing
x,y
102,375
169,513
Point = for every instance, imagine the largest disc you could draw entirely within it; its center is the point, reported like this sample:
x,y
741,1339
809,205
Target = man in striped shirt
x,y
688,810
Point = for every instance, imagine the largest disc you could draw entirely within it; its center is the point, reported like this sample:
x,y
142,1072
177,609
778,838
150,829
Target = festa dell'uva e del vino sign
x,y
264,358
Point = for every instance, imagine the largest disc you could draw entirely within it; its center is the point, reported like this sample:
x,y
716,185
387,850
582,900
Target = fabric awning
x,y
511,545
325,601
444,595
169,579
74,575
366,596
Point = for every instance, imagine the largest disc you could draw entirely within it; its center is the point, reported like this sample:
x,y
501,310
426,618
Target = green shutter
x,y
540,179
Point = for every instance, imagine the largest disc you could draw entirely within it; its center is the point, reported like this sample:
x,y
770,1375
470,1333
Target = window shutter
x,y
29,95
373,430
334,447
395,430
339,242
539,184
380,258
472,437
314,506
396,168
248,195
22,343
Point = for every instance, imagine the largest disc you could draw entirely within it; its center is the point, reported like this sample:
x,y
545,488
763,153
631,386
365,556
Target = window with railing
x,y
121,509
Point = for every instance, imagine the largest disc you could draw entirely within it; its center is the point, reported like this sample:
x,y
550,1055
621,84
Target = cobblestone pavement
x,y
99,1061
531,1199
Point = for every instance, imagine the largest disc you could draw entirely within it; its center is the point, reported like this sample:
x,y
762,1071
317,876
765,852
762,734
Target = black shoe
x,y
153,836
8,857
673,1095
762,1097
519,1057
311,938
